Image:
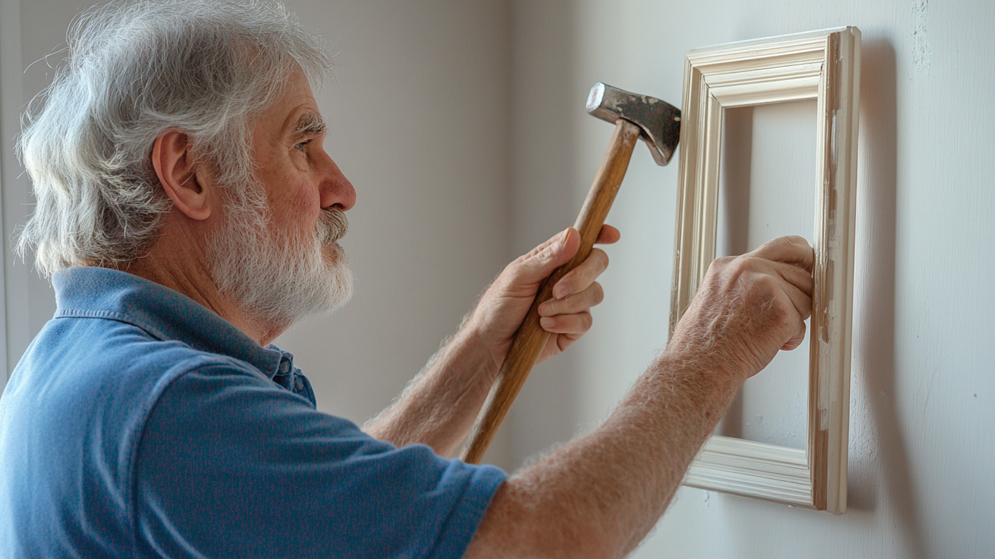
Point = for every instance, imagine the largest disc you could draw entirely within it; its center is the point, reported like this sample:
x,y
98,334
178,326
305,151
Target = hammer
x,y
635,116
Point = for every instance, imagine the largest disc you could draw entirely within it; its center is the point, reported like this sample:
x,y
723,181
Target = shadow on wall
x,y
879,120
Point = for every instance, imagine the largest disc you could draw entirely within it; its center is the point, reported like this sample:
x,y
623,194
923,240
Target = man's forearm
x,y
439,406
602,493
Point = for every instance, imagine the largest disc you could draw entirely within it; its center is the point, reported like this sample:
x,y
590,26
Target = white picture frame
x,y
825,66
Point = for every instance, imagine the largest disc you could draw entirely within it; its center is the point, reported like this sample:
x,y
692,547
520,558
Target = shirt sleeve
x,y
229,464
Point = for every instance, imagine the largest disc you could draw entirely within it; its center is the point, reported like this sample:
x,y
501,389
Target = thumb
x,y
543,259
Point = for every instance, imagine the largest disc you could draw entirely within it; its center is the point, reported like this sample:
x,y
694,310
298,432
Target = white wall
x,y
923,389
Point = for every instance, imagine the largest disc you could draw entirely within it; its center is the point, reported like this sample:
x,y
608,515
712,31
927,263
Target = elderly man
x,y
188,214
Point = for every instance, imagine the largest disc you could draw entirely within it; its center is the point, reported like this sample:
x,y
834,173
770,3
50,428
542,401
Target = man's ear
x,y
177,169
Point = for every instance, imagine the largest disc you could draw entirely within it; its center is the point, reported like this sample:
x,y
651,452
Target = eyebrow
x,y
309,124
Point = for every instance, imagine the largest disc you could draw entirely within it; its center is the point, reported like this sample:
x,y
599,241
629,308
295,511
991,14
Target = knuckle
x,y
798,240
750,263
720,264
763,247
586,321
565,287
542,251
806,311
601,257
550,308
598,293
530,254
766,283
545,253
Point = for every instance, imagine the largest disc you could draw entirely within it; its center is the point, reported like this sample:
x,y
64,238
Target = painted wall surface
x,y
923,389
767,190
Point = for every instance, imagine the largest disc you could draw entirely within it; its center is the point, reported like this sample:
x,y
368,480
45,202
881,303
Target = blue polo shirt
x,y
139,424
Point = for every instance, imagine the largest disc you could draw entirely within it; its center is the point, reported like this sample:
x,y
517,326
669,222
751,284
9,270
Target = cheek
x,y
294,202
303,206
290,199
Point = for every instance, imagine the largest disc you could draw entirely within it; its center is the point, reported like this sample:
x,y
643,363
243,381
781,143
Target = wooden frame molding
x,y
822,65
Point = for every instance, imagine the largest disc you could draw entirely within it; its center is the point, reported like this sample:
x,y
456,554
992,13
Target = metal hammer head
x,y
659,122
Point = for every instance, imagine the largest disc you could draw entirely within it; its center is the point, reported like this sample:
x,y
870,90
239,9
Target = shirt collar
x,y
168,315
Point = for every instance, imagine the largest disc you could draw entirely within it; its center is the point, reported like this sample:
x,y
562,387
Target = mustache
x,y
332,225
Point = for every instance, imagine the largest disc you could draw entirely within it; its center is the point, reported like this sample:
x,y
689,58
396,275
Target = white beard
x,y
277,277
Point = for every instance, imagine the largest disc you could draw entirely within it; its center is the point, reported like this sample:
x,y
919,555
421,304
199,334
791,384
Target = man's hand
x,y
567,316
600,494
439,406
748,307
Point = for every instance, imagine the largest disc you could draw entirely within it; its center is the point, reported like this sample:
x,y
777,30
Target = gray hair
x,y
134,70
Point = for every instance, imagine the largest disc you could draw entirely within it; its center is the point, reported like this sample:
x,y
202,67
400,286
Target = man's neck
x,y
178,261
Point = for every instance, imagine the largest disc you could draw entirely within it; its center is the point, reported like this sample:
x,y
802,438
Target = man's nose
x,y
336,190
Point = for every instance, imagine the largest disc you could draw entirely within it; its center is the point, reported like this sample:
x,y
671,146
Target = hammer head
x,y
659,122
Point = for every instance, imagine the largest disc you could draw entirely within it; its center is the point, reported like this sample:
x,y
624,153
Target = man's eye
x,y
303,145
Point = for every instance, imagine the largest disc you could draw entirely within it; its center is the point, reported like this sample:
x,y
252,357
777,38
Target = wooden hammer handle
x,y
530,338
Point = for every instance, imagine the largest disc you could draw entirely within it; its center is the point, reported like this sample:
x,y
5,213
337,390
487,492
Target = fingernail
x,y
547,322
563,237
544,309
